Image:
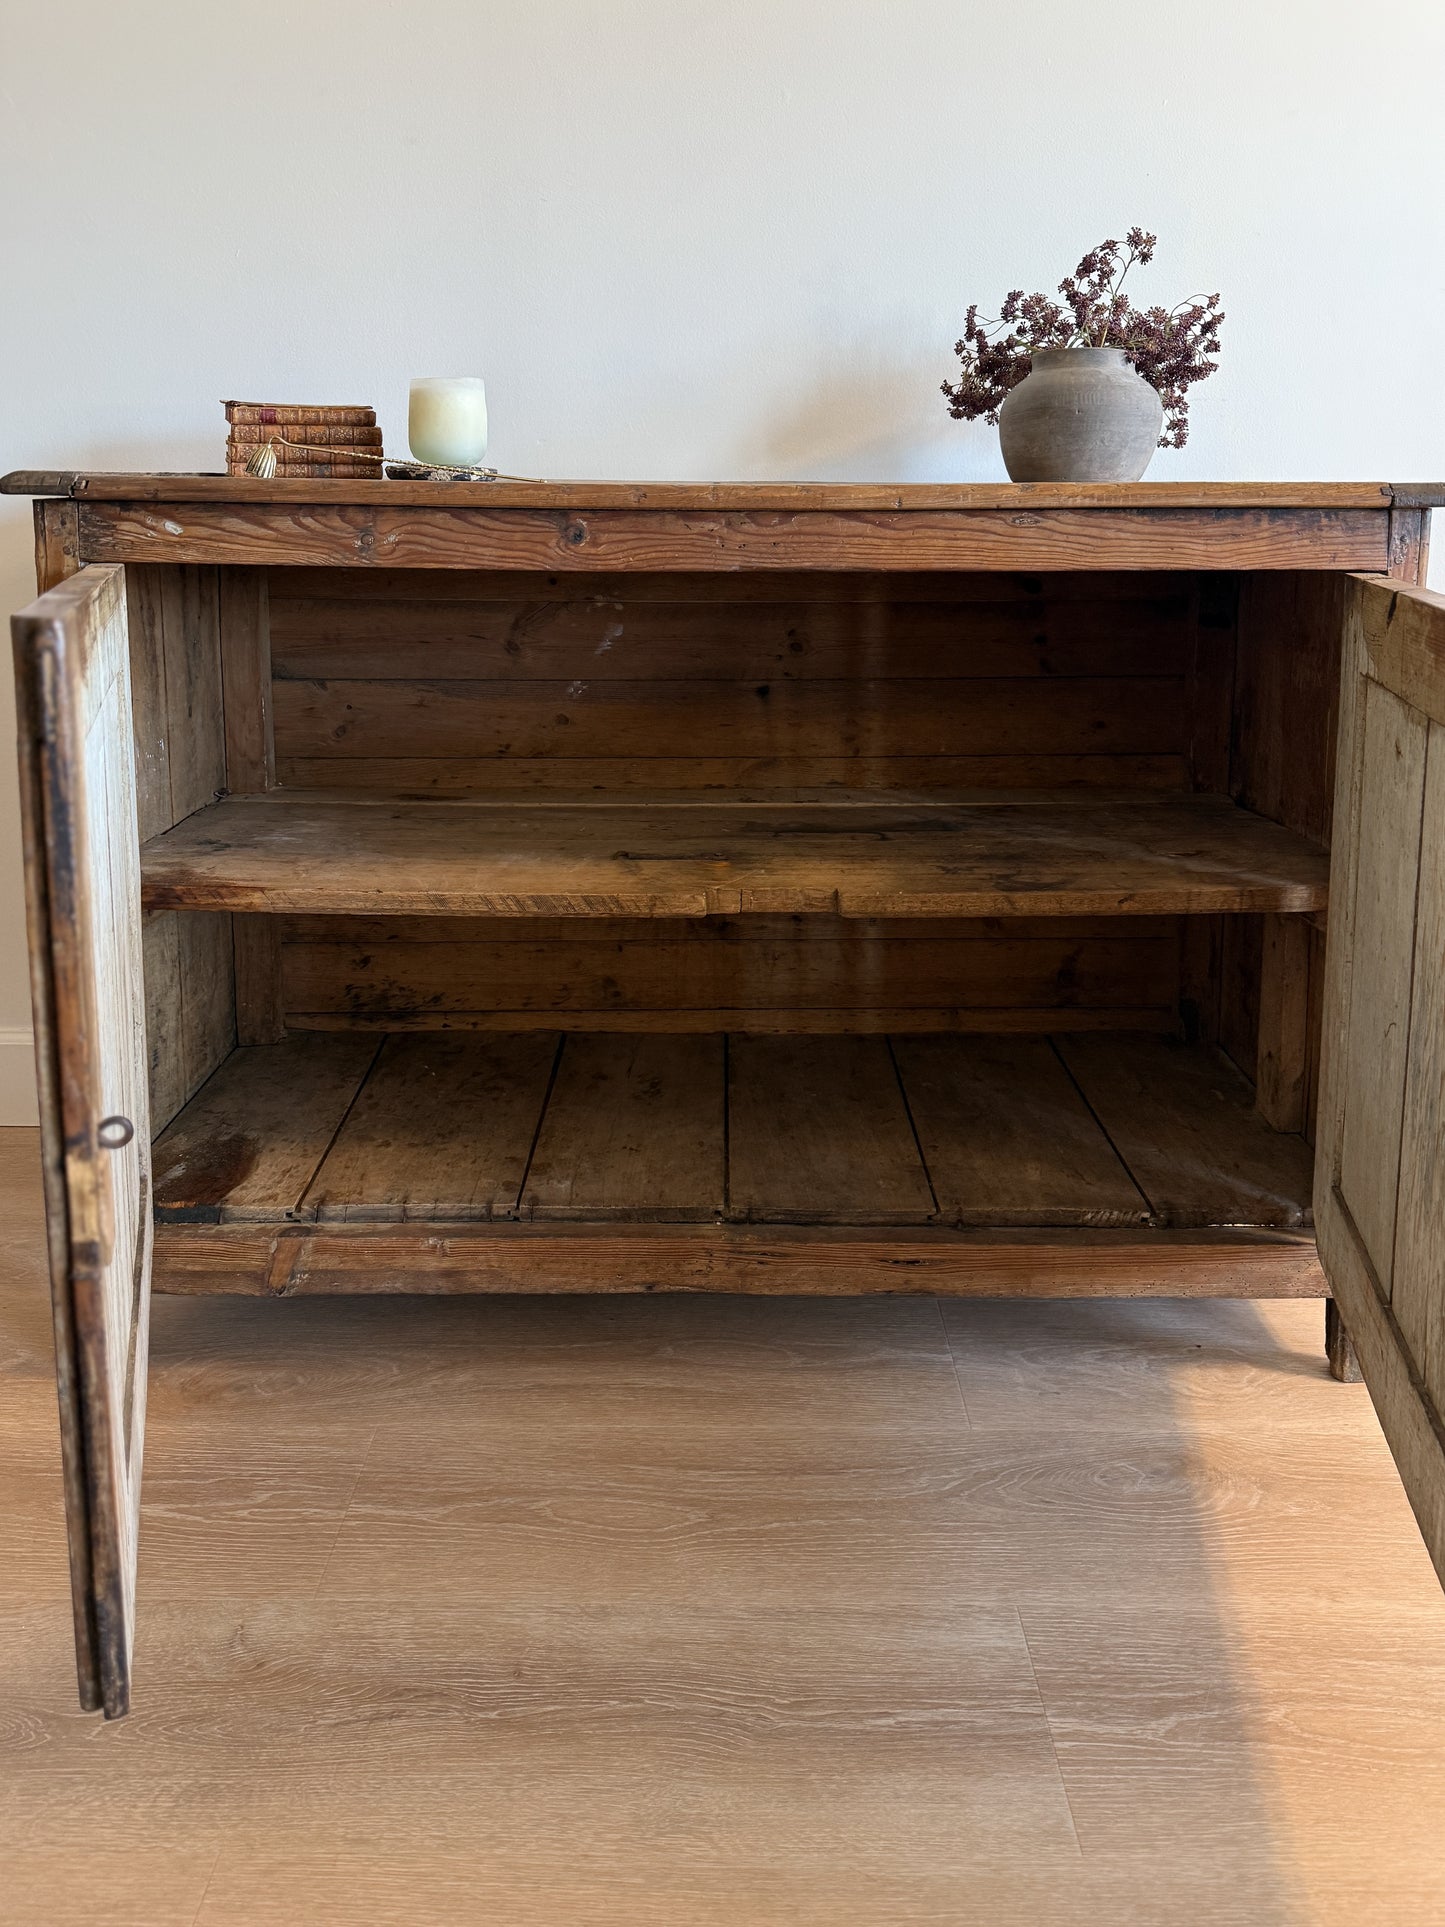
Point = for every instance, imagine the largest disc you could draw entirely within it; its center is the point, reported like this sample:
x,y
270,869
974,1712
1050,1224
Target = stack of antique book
x,y
307,441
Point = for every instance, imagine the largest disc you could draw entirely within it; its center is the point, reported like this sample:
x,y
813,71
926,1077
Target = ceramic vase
x,y
1080,415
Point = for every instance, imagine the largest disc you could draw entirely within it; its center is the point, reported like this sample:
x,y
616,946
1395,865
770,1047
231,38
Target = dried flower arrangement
x,y
1169,347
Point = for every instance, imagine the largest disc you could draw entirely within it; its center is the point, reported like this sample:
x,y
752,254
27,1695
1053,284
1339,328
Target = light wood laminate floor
x,y
712,1612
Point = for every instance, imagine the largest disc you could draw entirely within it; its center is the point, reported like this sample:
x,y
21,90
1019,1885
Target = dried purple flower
x,y
1169,347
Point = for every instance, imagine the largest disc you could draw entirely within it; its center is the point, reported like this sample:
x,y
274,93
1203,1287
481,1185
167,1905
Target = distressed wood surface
x,y
375,533
1404,632
455,680
72,656
773,1260
178,716
858,856
634,1128
796,1129
247,1146
810,627
140,486
1387,826
1007,1138
720,973
676,719
250,764
1184,1123
57,543
819,1132
442,1128
1282,1063
1377,1185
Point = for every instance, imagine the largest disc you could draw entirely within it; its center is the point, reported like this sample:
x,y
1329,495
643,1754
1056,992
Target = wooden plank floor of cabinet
x,y
658,1129
634,1129
819,1133
442,1129
1008,1139
248,1144
1184,1122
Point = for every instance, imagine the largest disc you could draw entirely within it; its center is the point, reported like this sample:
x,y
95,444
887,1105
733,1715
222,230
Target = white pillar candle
x,y
447,421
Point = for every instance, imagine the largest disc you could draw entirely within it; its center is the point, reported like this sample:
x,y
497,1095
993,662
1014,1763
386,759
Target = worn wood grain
x,y
245,531
57,543
1282,1064
582,719
248,1145
1007,1139
260,1005
1417,1268
718,971
1376,1032
818,1132
603,634
742,590
180,754
1286,698
72,658
139,486
634,1129
857,858
423,775
246,667
442,1128
1184,1123
1404,650
783,1260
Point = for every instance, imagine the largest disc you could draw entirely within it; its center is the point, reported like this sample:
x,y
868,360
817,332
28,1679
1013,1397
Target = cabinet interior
x,y
815,899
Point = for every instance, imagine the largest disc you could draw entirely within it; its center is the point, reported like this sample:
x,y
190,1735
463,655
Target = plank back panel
x,y
465,679
718,973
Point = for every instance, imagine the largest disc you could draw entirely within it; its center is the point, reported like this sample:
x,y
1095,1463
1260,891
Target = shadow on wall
x,y
869,418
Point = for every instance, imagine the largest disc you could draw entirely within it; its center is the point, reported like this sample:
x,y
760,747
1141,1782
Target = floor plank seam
x,y
345,1512
1154,1216
341,1123
936,1211
1049,1729
542,1109
953,1362
201,1903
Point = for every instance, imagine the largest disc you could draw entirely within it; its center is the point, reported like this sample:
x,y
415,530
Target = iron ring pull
x,y
114,1133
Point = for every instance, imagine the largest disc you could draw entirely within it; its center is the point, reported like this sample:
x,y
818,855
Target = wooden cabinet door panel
x,y
83,899
1380,1168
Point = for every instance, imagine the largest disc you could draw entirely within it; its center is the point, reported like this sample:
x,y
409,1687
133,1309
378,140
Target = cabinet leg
x,y
1340,1347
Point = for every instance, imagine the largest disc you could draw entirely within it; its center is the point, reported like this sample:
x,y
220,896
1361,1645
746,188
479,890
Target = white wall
x,y
686,238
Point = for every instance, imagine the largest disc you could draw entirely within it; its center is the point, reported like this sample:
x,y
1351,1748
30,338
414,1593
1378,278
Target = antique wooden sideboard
x,y
782,888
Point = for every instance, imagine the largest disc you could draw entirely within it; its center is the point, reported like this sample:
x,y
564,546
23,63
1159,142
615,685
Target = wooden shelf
x,y
688,855
1107,1131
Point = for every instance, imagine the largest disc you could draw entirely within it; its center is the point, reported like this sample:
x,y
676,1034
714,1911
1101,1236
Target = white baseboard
x,y
17,1076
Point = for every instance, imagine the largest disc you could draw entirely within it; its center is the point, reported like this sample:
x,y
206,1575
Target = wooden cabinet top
x,y
756,496
538,525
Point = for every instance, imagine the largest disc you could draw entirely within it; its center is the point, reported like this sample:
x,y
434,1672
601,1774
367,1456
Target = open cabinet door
x,y
1380,1170
83,896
